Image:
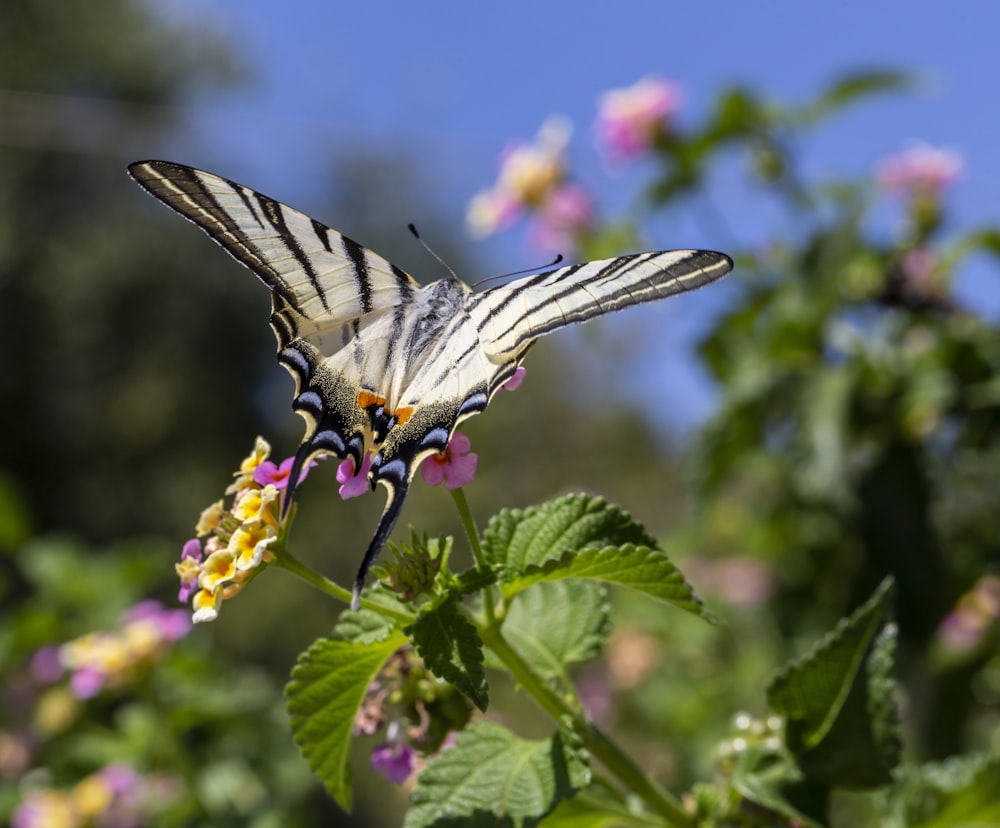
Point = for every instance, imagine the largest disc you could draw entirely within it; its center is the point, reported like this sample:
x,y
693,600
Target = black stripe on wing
x,y
276,218
563,297
183,190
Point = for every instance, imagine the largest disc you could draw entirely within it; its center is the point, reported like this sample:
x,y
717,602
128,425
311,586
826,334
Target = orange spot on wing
x,y
403,414
367,399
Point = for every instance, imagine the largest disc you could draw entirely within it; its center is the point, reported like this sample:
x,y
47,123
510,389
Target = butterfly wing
x,y
326,292
509,318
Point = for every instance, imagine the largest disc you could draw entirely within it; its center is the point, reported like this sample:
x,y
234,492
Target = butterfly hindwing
x,y
381,364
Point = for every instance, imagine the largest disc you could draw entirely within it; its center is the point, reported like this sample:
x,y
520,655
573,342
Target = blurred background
x,y
786,470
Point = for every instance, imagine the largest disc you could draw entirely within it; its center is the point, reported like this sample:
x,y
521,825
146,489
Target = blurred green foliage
x,y
856,437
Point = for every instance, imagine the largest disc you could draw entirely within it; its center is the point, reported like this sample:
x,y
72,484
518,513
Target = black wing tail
x,y
393,507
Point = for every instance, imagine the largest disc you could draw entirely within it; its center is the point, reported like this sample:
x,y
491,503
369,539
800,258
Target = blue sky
x,y
455,81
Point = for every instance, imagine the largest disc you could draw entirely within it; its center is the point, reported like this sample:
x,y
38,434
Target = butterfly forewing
x,y
381,364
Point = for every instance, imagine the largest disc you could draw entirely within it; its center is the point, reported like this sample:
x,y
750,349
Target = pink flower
x,y
87,682
278,476
394,762
189,569
563,217
629,120
46,667
455,466
515,381
920,170
353,483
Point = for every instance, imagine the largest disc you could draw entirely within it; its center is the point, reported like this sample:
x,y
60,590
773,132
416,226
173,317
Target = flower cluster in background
x,y
110,659
115,796
920,175
632,120
974,616
231,544
534,179
920,171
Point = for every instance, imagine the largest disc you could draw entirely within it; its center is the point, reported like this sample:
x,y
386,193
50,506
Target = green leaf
x,y
490,777
964,791
362,627
555,624
450,647
645,570
521,538
597,806
326,689
852,87
838,701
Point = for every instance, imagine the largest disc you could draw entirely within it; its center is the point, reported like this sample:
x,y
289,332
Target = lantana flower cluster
x,y
920,175
534,178
630,121
116,795
920,171
113,658
976,614
232,543
418,715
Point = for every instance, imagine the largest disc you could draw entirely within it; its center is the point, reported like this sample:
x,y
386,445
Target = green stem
x,y
469,522
287,561
472,532
613,757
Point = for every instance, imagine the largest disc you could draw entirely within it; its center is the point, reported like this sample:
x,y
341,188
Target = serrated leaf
x,y
645,570
475,579
518,538
362,627
829,698
491,777
555,624
327,687
451,649
963,792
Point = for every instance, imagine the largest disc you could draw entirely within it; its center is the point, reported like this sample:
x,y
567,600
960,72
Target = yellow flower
x,y
244,477
209,520
249,543
206,605
218,568
254,504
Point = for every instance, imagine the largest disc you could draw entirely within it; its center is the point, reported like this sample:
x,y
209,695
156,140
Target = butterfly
x,y
384,367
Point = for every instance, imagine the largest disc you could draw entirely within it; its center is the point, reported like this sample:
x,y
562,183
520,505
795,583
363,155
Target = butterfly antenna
x,y
553,263
429,249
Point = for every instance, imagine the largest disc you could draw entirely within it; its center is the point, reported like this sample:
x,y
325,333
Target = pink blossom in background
x,y
920,170
975,613
46,667
565,215
455,466
628,120
353,483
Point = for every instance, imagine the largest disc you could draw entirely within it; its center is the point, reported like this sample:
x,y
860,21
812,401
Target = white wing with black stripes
x,y
383,366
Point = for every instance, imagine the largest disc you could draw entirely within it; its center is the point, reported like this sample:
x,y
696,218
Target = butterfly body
x,y
382,366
